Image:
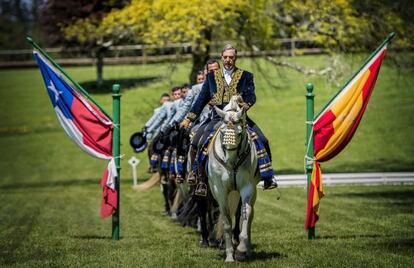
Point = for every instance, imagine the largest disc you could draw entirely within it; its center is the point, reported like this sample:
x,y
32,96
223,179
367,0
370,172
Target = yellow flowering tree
x,y
197,22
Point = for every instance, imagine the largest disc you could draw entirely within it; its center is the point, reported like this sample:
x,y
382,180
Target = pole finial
x,y
391,36
116,88
309,87
29,39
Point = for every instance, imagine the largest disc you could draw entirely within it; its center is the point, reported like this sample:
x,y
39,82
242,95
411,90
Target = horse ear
x,y
220,112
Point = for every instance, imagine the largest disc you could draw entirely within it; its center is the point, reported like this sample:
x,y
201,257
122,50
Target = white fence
x,y
332,179
137,54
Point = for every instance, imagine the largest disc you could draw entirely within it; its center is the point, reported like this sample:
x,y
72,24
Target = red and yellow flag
x,y
336,125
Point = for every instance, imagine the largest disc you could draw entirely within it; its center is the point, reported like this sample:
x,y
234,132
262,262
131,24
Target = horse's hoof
x,y
240,256
203,243
229,259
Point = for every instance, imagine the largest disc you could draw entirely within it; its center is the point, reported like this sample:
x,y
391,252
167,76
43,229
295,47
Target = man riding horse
x,y
217,90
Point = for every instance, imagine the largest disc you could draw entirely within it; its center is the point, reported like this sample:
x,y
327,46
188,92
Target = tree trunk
x,y
99,67
200,54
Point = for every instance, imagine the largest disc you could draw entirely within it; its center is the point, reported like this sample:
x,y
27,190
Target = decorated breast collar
x,y
225,92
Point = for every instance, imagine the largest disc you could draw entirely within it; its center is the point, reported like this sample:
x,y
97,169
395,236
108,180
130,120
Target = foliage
x,y
197,22
340,24
336,25
18,19
333,23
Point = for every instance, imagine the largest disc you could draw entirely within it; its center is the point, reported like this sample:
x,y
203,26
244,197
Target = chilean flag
x,y
84,123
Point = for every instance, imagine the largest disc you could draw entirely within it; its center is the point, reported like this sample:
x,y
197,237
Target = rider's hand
x,y
184,124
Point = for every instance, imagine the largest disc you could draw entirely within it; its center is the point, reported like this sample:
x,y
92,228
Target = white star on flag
x,y
54,90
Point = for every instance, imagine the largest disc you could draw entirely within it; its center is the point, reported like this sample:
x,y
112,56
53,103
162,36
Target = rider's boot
x,y
191,175
201,189
270,183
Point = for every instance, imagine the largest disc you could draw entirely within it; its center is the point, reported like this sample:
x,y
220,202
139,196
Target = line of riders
x,y
178,136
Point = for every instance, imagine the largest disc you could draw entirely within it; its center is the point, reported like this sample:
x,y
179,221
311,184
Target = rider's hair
x,y
186,85
165,95
174,89
229,47
211,61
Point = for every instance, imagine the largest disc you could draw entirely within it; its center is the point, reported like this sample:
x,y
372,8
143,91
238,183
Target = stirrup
x,y
201,189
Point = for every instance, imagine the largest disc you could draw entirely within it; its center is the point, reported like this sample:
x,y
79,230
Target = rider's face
x,y
229,58
184,91
213,66
164,99
200,78
176,94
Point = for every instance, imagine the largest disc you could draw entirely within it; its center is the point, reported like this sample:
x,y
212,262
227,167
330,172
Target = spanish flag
x,y
336,124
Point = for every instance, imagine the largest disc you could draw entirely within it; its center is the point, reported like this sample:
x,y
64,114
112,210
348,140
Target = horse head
x,y
233,127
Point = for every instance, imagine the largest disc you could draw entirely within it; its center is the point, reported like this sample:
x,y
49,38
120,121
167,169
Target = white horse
x,y
232,166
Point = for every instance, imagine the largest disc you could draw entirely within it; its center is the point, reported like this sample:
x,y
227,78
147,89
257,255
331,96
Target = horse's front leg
x,y
227,233
222,198
248,196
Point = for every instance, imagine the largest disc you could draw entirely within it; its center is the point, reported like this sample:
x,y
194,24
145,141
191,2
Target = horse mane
x,y
233,104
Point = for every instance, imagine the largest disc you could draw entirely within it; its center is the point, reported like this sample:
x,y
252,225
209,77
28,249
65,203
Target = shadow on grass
x,y
48,184
263,255
400,200
333,237
21,230
21,131
404,244
258,256
125,83
92,237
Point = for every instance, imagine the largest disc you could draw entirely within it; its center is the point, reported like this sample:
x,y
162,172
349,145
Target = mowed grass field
x,y
51,194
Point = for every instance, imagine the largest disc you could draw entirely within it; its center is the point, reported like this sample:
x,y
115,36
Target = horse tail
x,y
148,184
178,199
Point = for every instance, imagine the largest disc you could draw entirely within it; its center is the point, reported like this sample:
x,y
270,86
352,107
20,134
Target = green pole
x,y
116,152
309,138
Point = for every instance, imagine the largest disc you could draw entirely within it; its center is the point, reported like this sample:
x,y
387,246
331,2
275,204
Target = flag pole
x,y
309,143
116,152
57,66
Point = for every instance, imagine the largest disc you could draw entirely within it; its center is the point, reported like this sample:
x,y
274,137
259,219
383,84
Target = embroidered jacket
x,y
217,92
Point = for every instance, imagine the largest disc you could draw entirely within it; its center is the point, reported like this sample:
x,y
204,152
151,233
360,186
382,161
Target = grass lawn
x,y
50,216
57,224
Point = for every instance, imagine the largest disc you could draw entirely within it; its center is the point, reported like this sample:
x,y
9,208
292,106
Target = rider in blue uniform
x,y
217,90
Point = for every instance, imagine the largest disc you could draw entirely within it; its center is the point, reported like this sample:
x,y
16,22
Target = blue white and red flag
x,y
84,123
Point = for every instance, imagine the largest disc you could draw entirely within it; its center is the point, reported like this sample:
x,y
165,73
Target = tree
x,y
335,25
17,20
198,22
78,23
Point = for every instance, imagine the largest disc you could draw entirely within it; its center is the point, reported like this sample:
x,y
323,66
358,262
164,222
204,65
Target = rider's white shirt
x,y
227,75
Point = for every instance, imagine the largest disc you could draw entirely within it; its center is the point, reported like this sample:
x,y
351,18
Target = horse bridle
x,y
242,157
